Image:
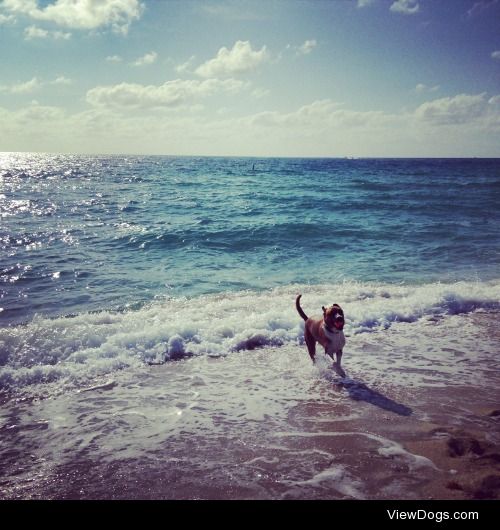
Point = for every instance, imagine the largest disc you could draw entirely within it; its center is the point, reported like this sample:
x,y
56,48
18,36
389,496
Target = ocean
x,y
131,286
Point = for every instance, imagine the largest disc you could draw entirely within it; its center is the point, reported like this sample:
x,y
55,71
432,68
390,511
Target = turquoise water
x,y
92,233
110,263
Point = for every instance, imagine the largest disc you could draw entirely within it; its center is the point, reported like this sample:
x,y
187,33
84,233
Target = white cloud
x,y
321,115
33,32
496,55
307,47
423,88
365,3
480,6
80,14
6,19
464,125
39,126
149,58
325,117
39,113
61,80
186,67
462,109
33,85
259,93
114,59
26,88
239,60
22,88
405,7
169,95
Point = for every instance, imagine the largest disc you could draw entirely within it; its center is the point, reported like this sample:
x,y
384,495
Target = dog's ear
x,y
324,309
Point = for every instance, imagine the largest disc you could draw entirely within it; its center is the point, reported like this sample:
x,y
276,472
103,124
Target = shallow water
x,y
49,356
264,424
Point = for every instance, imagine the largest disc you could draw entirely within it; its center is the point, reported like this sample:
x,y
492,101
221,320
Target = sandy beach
x,y
414,421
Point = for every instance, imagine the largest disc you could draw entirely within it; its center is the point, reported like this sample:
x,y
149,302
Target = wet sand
x,y
412,420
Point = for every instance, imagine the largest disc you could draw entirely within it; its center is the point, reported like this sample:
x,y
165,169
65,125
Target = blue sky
x,y
270,78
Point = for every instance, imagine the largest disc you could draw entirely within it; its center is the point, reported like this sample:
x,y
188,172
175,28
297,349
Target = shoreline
x,y
266,424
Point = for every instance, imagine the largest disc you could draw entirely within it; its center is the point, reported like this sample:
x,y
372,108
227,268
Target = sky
x,y
316,78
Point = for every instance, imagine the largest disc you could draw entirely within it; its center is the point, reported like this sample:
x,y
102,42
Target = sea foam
x,y
89,345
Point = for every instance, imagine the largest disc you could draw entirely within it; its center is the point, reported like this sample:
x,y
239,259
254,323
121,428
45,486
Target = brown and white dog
x,y
328,331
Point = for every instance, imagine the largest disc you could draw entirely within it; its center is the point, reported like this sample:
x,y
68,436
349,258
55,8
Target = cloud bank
x,y
80,14
462,109
117,121
171,94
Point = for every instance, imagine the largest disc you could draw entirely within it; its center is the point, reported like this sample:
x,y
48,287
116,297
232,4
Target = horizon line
x,y
319,157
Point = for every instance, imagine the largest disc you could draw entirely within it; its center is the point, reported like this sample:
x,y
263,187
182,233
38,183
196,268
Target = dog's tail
x,y
299,309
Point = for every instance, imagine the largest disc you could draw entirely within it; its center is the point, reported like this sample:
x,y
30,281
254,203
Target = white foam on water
x,y
388,448
414,461
78,349
267,421
337,478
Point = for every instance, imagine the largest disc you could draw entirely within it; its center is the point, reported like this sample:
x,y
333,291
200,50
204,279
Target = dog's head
x,y
334,317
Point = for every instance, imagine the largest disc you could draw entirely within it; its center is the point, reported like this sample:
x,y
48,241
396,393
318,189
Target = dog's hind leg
x,y
311,344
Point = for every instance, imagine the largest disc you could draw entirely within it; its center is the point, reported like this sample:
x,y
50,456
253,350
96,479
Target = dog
x,y
328,331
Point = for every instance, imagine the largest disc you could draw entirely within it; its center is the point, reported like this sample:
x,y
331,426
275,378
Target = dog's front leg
x,y
330,354
339,369
339,357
